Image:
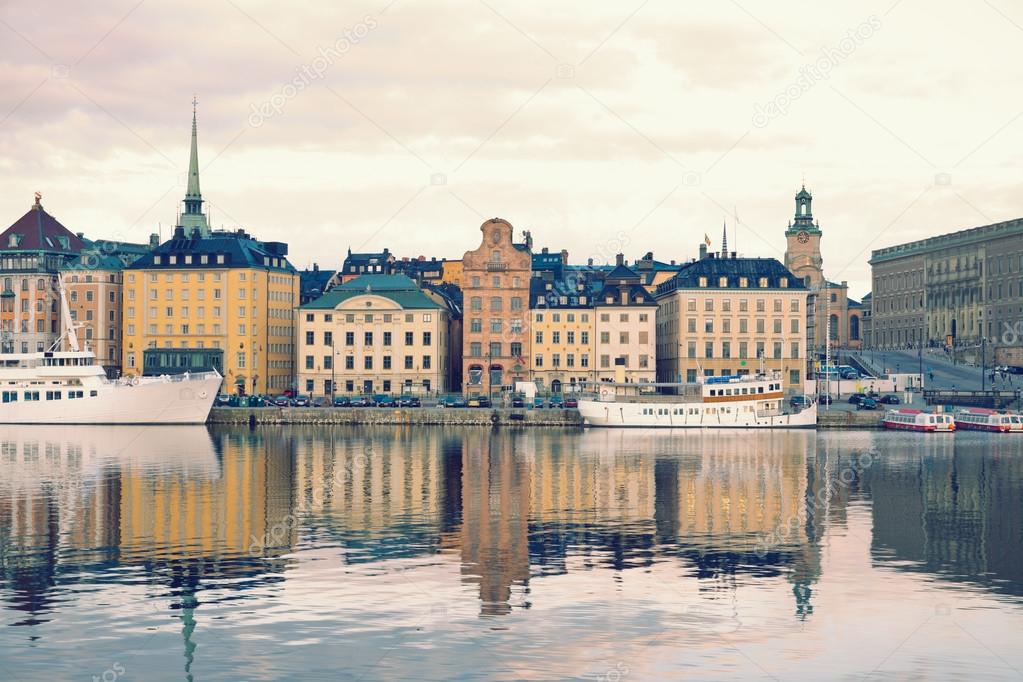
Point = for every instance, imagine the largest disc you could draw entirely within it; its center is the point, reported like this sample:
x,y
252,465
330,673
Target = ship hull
x,y
665,415
151,401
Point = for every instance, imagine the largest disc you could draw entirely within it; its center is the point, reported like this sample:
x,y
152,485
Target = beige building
x,y
373,334
721,316
562,332
495,290
960,287
625,328
94,302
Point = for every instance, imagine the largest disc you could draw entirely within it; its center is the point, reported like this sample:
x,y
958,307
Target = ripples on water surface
x,y
434,553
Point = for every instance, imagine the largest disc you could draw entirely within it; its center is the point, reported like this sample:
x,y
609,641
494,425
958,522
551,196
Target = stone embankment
x,y
835,419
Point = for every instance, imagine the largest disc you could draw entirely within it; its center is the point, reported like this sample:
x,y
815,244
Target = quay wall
x,y
836,419
402,415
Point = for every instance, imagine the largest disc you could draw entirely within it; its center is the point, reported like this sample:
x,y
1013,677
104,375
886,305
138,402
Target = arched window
x,y
854,328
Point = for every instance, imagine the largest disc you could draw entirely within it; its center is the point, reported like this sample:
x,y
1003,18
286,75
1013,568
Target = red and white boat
x,y
917,420
981,419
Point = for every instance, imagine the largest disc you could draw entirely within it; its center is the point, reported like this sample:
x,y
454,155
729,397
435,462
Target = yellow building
x,y
219,290
723,315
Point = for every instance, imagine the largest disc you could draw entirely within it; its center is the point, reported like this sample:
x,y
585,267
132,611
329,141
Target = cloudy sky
x,y
636,125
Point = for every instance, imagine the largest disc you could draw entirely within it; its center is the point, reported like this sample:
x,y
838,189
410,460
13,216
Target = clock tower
x,y
803,242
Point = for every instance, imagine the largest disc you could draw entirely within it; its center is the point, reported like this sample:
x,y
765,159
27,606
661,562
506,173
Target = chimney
x,y
80,235
543,250
672,261
316,267
564,256
154,240
703,251
620,259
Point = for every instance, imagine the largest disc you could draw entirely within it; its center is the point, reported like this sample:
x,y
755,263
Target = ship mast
x,y
72,335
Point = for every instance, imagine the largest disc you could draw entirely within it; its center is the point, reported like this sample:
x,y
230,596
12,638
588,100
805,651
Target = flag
x,y
706,239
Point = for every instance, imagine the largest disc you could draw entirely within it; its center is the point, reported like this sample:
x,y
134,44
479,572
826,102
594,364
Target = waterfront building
x,y
625,327
221,290
495,288
33,251
962,287
94,285
373,334
563,332
837,316
722,315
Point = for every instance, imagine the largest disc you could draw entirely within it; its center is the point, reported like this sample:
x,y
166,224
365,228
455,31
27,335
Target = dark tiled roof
x,y
733,268
37,230
549,292
313,283
238,248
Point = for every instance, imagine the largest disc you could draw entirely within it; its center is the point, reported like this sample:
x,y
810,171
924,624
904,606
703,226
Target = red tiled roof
x,y
40,231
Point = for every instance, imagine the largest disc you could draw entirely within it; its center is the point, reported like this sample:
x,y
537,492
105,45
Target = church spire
x,y
724,239
193,216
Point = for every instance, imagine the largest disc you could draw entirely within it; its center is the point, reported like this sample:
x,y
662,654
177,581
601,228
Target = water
x,y
439,553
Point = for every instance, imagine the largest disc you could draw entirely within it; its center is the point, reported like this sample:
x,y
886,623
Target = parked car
x,y
359,401
342,401
556,401
483,401
855,398
800,401
866,404
824,399
518,401
849,374
571,403
300,401
319,401
890,400
409,401
453,401
537,403
381,400
282,401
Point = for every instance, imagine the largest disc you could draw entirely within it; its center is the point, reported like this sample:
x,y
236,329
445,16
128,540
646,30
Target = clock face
x,y
803,237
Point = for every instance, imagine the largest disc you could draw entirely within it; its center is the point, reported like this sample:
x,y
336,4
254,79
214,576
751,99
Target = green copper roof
x,y
397,288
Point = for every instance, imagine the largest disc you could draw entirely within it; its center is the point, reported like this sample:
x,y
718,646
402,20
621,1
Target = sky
x,y
600,127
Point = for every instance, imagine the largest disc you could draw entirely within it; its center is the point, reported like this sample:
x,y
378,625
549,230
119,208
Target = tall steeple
x,y
193,216
724,239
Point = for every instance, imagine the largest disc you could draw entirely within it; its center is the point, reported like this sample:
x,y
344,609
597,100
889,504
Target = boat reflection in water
x,y
344,538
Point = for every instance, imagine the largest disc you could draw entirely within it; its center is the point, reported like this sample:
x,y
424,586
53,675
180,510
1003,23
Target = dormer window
x,y
722,282
157,260
65,243
763,283
743,282
783,282
220,259
703,281
13,241
172,260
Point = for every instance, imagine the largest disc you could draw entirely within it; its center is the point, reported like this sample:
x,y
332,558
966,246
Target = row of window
x,y
709,348
367,386
34,396
726,325
643,360
368,318
327,362
368,338
760,305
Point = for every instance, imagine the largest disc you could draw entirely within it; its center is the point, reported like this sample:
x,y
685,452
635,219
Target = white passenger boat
x,y
906,419
980,419
69,387
727,402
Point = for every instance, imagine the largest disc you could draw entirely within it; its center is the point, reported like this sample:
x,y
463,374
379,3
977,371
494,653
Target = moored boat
x,y
738,401
982,419
906,419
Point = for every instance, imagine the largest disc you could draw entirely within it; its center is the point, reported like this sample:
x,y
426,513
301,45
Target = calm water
x,y
431,553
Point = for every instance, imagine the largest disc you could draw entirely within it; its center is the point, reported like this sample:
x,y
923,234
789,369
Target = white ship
x,y
69,387
727,402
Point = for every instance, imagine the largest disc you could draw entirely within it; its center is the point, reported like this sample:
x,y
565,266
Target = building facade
x,y
214,290
960,288
33,251
495,290
625,316
94,286
373,334
722,316
563,331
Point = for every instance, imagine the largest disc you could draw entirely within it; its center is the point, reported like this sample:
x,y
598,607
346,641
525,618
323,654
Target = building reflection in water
x,y
189,508
950,507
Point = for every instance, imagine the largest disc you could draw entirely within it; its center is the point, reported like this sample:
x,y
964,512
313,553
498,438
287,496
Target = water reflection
x,y
199,519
